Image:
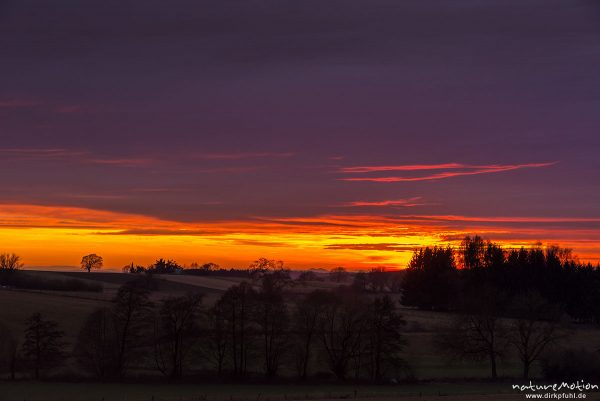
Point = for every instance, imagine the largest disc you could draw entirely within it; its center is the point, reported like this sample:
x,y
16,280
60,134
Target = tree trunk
x,y
305,362
493,361
526,370
13,365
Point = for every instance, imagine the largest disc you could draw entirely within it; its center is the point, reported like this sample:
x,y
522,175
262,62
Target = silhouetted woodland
x,y
447,279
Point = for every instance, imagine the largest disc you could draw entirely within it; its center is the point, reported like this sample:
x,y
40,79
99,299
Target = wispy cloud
x,y
18,103
385,246
95,196
151,232
508,219
404,167
449,170
245,155
80,156
270,244
125,162
409,202
40,153
240,169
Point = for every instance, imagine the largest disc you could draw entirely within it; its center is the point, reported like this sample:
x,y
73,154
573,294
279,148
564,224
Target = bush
x,y
572,364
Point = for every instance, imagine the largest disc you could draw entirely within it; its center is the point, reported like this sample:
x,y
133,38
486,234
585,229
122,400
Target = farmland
x,y
437,376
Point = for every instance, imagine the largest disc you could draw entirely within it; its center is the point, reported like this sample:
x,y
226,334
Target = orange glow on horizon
x,y
60,236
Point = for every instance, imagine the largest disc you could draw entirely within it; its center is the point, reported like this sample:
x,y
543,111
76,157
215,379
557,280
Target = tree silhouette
x,y
305,325
217,344
132,312
534,329
175,332
91,261
263,266
272,319
384,337
237,305
162,266
10,262
338,274
342,327
96,346
430,281
210,266
477,332
111,338
43,346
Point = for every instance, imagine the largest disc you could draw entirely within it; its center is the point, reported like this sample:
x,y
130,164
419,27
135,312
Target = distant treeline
x,y
162,266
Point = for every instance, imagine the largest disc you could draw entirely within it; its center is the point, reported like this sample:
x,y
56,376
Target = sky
x,y
322,133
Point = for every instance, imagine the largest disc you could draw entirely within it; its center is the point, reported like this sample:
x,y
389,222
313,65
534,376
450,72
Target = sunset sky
x,y
322,133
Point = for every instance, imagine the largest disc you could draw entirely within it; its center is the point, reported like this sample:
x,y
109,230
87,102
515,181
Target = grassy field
x,y
427,362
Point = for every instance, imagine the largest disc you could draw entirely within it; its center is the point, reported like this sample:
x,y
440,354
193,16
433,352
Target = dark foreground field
x,y
33,391
436,377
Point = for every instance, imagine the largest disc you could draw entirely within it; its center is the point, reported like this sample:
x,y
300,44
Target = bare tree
x,y
10,262
534,329
43,347
271,316
237,305
96,346
306,317
263,266
132,312
91,261
111,338
384,338
175,332
477,333
342,328
217,344
209,267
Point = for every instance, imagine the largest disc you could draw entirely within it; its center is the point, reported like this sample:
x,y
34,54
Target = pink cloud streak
x,y
471,170
410,202
247,155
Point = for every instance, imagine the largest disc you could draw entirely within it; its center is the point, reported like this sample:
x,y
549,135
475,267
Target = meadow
x,y
435,375
63,391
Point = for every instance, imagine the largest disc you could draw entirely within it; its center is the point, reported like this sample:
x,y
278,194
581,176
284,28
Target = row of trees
x,y
249,329
346,332
377,280
502,297
441,278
